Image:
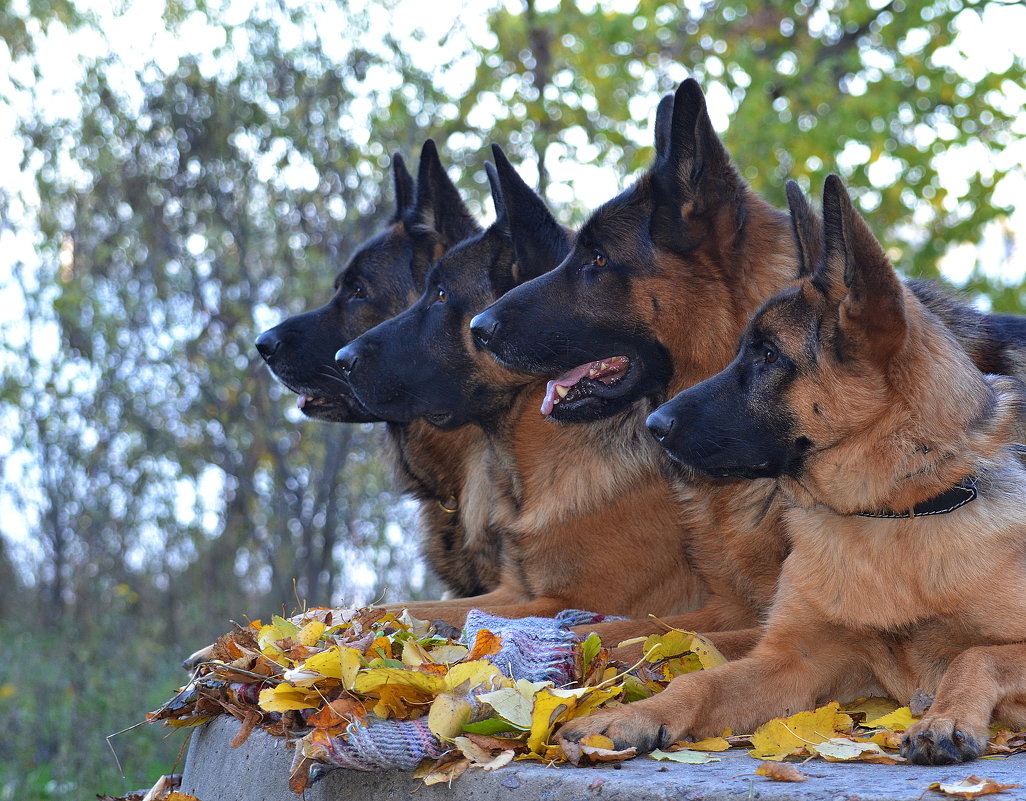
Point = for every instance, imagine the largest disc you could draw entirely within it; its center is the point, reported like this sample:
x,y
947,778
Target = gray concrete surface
x,y
258,771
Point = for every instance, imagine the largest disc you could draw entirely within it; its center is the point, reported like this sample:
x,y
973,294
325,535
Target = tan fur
x,y
869,605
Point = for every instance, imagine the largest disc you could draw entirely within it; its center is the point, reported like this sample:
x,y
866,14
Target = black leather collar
x,y
948,501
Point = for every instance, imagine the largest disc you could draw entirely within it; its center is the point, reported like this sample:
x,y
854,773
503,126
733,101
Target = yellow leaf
x,y
285,697
549,709
898,720
971,787
414,655
708,744
591,701
663,646
873,708
447,715
782,737
706,652
310,633
448,654
335,663
373,680
516,703
476,673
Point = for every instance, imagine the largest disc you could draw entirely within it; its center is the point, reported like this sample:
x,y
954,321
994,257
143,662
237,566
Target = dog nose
x,y
345,358
483,327
660,423
267,344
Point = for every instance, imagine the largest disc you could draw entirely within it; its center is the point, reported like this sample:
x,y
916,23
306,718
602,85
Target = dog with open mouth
x,y
904,497
660,283
575,537
383,277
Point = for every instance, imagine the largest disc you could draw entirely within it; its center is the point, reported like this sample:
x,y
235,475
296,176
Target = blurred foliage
x,y
173,210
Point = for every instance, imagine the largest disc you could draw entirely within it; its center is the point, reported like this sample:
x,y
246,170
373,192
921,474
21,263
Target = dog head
x,y
383,277
424,362
845,386
658,284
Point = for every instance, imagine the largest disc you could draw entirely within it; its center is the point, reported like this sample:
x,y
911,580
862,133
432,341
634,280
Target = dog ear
x,y
439,207
539,242
663,123
692,176
501,214
808,230
857,274
405,190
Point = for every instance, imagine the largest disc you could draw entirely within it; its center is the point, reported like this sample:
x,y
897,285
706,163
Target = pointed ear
x,y
663,122
439,206
694,177
539,242
857,273
404,188
501,216
808,230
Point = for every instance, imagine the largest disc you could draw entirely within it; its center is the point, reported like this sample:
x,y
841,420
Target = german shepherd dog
x,y
579,534
660,283
906,510
384,276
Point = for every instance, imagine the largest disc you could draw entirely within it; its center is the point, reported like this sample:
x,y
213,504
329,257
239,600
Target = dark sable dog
x,y
580,533
905,505
384,276
660,283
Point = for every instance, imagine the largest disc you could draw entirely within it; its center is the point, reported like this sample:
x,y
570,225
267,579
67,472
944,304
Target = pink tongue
x,y
301,402
568,379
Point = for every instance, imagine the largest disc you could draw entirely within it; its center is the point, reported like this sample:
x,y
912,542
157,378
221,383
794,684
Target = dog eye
x,y
358,292
769,355
599,259
442,296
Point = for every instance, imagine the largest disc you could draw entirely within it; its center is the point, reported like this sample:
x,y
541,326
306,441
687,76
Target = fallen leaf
x,y
780,772
309,634
842,749
485,644
781,737
448,654
474,674
707,744
687,757
549,709
970,787
447,715
872,708
285,697
920,702
898,720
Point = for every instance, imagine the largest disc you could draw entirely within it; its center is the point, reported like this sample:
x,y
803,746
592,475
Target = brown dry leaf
x,y
595,748
338,713
485,644
780,772
446,770
921,701
249,721
970,787
299,778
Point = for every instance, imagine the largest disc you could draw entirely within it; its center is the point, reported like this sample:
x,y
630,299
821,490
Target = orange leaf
x,y
486,644
780,772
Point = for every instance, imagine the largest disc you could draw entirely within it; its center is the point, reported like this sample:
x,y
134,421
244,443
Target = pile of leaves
x,y
312,677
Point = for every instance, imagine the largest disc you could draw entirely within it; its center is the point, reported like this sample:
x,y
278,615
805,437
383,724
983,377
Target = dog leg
x,y
978,681
787,672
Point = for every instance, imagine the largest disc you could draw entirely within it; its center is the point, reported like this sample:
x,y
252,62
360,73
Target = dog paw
x,y
628,727
942,741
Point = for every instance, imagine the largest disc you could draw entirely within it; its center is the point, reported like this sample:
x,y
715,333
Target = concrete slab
x,y
258,771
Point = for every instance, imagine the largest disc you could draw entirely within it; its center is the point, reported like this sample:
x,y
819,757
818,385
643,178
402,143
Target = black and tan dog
x,y
384,276
580,534
905,505
660,283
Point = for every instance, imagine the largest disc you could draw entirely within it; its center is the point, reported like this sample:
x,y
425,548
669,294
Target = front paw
x,y
629,726
936,740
